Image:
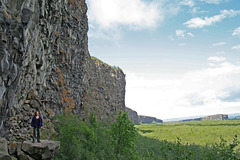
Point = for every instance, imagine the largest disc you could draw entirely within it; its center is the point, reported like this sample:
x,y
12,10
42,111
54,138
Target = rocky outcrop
x,y
136,119
105,90
216,117
45,65
147,119
4,150
132,115
46,150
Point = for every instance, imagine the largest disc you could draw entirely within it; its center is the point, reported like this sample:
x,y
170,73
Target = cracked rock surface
x,y
46,150
45,65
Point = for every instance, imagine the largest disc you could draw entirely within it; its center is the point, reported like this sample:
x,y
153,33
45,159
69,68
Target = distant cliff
x,y
136,119
132,115
45,65
216,117
147,119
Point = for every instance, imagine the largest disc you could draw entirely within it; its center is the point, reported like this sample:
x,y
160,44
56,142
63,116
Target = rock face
x,y
4,150
45,65
105,90
132,115
46,150
136,119
216,117
147,119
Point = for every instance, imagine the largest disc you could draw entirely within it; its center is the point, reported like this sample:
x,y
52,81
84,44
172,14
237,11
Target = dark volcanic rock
x,y
136,119
105,90
44,150
132,115
147,119
45,65
3,145
3,150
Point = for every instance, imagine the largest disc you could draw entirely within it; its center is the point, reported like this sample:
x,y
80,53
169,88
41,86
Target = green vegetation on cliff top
x,y
113,67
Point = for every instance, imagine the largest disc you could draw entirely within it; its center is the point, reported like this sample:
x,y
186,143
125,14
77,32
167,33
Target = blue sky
x,y
181,57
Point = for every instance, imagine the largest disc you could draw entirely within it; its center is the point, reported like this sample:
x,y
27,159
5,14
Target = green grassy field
x,y
195,132
95,140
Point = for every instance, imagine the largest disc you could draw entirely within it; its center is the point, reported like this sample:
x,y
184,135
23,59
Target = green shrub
x,y
93,140
76,138
124,137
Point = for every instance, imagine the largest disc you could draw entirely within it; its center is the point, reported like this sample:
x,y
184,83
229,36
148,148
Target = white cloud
x,y
189,3
135,13
91,26
196,10
218,59
171,38
111,18
200,92
236,32
181,34
190,34
219,44
213,1
97,33
208,21
236,47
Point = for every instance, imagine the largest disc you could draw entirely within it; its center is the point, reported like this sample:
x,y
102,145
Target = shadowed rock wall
x,y
104,90
136,119
132,115
147,119
45,65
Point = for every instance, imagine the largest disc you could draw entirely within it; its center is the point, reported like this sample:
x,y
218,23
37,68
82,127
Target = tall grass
x,y
196,132
94,140
190,140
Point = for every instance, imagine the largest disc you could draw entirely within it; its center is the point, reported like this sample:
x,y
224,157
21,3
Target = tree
x,y
124,137
76,138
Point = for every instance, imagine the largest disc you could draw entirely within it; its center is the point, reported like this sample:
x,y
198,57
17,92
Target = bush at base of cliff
x,y
92,140
76,138
124,136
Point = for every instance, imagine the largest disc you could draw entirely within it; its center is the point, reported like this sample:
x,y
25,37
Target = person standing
x,y
36,123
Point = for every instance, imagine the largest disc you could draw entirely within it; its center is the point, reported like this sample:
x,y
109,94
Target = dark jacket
x,y
34,122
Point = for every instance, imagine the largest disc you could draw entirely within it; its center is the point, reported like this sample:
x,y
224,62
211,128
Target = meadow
x,y
121,140
195,132
208,140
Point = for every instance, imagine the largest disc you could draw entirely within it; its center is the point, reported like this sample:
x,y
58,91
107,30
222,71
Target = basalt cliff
x,y
45,65
137,119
